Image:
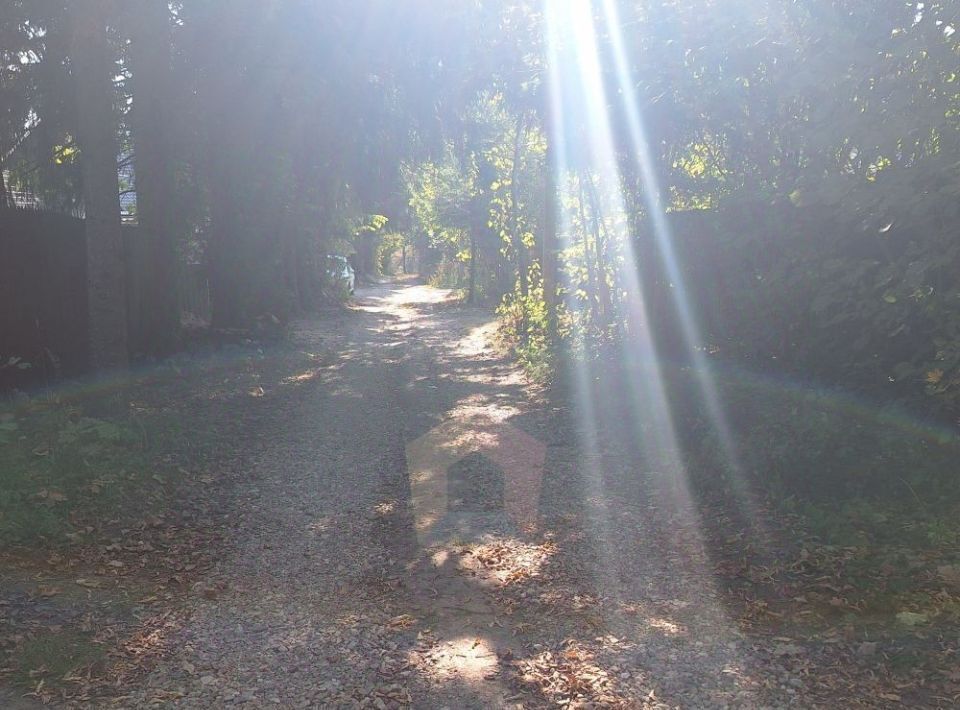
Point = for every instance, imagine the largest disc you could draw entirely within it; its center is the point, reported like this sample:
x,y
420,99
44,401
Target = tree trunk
x,y
599,229
588,252
93,69
159,314
4,195
550,248
472,295
294,241
366,249
223,253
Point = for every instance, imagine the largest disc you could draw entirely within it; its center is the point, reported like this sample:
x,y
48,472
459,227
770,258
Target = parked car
x,y
340,272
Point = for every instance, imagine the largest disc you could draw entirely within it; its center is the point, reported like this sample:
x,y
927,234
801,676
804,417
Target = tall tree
x,y
157,313
93,70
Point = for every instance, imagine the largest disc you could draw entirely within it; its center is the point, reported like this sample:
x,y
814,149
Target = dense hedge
x,y
819,296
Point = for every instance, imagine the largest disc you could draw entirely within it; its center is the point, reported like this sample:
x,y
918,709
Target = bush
x,y
815,296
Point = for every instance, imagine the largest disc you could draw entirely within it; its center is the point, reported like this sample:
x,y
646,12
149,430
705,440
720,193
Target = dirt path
x,y
326,595
411,526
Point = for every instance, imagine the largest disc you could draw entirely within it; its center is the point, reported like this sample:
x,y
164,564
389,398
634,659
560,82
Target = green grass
x,y
58,464
53,656
880,522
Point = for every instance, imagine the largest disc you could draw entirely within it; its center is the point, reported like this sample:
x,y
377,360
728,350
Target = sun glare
x,y
580,99
567,353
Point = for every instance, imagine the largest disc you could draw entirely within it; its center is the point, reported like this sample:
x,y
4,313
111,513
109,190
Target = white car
x,y
340,272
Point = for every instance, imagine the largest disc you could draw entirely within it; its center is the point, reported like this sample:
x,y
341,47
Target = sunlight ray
x,y
559,23
575,69
661,231
582,61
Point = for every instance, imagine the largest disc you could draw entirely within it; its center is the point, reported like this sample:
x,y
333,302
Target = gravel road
x,y
412,525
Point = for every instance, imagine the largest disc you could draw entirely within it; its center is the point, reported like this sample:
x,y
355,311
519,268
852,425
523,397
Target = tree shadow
x,y
609,597
624,608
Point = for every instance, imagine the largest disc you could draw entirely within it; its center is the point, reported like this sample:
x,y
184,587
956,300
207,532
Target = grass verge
x,y
60,466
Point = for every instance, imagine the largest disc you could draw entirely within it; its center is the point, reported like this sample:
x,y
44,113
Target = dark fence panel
x,y
43,296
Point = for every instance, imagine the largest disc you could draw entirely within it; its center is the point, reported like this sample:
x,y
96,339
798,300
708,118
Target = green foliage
x,y
388,248
523,321
448,273
373,223
478,206
439,200
55,654
775,288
